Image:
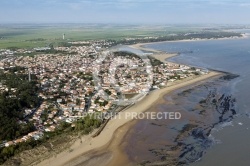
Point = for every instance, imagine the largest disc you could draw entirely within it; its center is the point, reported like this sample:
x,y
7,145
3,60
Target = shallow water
x,y
184,140
231,141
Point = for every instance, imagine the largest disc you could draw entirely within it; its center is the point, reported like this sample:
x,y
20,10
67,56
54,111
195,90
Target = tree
x,y
78,101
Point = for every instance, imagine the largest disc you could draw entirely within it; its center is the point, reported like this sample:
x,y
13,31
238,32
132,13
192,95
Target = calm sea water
x,y
232,56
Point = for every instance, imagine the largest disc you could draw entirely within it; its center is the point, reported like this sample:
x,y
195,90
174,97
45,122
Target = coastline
x,y
163,56
117,143
89,144
116,129
140,45
160,55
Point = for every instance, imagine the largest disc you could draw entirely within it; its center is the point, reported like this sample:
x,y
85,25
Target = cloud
x,y
124,10
76,4
135,3
244,4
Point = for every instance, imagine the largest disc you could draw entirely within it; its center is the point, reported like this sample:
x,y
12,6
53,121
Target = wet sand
x,y
170,142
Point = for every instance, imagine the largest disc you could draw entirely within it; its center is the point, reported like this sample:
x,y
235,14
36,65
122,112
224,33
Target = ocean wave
x,y
222,125
214,140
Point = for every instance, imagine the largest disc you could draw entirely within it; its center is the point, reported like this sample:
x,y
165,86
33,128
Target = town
x,y
75,80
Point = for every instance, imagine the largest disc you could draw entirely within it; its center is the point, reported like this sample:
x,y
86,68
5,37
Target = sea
x,y
231,138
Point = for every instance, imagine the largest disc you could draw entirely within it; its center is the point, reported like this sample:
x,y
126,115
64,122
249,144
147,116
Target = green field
x,y
30,36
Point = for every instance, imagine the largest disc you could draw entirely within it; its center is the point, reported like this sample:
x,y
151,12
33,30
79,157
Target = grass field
x,y
30,36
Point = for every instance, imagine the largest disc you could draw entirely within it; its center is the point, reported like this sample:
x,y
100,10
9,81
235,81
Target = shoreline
x,y
140,45
160,55
117,144
91,144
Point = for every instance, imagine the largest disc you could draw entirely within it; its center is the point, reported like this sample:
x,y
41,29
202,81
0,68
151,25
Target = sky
x,y
126,11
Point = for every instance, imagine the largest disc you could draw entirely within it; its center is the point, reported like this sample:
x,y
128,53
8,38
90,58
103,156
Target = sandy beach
x,y
140,47
160,55
107,136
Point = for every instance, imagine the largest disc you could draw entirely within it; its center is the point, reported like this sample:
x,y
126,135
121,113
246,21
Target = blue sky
x,y
125,11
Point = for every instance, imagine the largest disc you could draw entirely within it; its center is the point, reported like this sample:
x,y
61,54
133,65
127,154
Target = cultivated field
x,y
30,36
